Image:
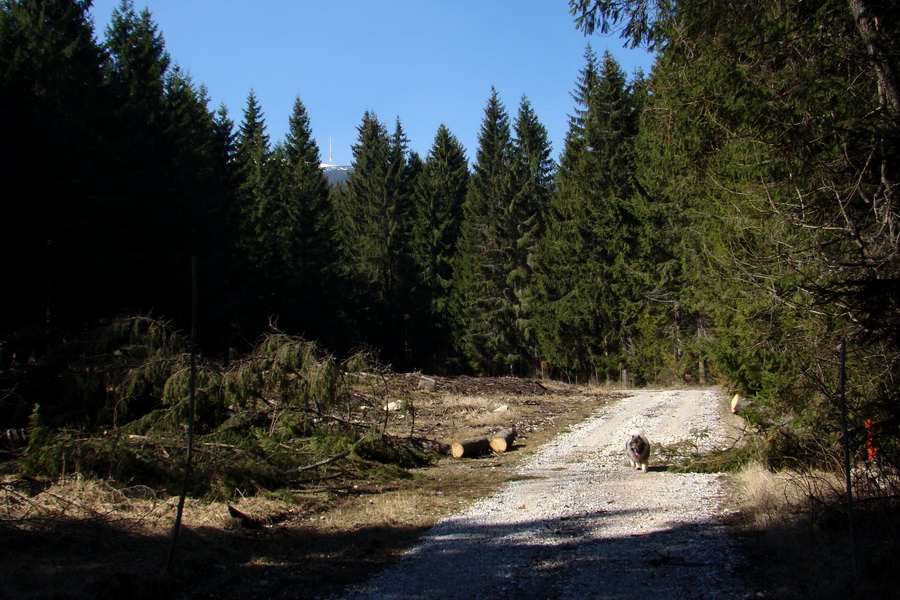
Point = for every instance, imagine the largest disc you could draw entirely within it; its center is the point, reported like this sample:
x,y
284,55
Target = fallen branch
x,y
324,462
318,479
245,520
426,445
225,446
359,424
346,490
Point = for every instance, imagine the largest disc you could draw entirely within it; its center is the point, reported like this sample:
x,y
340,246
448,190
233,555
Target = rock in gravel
x,y
578,523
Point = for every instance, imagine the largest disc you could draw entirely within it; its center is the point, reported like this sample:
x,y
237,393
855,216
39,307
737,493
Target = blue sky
x,y
425,62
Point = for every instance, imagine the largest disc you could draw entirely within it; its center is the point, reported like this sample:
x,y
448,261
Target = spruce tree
x,y
255,187
375,224
482,297
610,130
155,254
308,246
226,168
664,330
190,139
227,172
226,139
588,77
199,185
526,219
260,218
584,273
138,66
226,270
776,126
364,212
439,196
137,70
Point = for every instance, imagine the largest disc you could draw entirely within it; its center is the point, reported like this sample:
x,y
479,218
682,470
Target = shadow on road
x,y
567,557
556,558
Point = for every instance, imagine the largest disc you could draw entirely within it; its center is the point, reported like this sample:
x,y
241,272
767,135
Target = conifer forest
x,y
729,218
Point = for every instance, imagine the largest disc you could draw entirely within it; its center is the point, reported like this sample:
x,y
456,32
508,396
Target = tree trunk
x,y
867,24
503,441
473,447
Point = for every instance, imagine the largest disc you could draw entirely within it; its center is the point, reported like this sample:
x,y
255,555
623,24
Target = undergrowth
x,y
798,531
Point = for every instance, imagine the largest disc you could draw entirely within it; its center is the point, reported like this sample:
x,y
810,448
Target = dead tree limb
x,y
324,462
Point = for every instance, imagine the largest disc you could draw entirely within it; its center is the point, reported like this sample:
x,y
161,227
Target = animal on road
x,y
637,449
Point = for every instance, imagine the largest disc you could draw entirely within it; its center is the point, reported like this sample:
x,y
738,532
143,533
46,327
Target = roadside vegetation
x,y
117,408
796,531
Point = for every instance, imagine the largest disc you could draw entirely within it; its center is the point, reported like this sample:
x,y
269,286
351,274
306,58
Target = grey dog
x,y
637,449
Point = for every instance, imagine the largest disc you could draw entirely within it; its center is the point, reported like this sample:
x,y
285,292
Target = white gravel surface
x,y
581,524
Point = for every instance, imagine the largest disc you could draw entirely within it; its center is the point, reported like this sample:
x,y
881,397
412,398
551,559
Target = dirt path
x,y
580,524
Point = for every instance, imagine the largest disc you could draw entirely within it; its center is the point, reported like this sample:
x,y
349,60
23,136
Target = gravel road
x,y
579,523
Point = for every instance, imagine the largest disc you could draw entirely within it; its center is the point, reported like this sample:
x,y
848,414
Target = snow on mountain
x,y
336,173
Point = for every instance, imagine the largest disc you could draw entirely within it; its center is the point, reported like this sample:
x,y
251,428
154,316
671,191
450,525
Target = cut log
x,y
503,441
473,447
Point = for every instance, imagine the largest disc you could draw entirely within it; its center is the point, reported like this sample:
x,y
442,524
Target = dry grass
x,y
770,498
38,507
797,531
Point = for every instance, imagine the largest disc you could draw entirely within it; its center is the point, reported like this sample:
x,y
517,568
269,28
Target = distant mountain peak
x,y
335,173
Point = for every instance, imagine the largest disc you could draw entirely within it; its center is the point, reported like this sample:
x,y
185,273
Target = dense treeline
x,y
768,149
732,216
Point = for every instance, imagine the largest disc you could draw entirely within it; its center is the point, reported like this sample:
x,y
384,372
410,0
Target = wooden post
x,y
842,378
176,528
